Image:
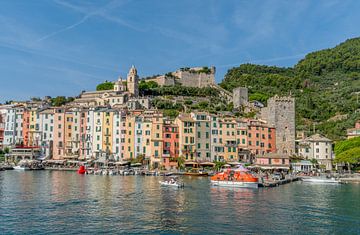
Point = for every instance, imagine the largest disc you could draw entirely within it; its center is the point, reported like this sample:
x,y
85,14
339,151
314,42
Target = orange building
x,y
261,137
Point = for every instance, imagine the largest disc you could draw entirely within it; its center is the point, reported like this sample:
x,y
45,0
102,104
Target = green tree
x,y
219,165
105,86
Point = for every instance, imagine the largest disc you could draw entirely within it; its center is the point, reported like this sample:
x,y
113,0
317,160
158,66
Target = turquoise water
x,y
46,202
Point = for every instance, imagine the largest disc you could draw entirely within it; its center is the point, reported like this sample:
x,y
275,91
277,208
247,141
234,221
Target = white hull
x,y
321,181
170,184
235,184
22,168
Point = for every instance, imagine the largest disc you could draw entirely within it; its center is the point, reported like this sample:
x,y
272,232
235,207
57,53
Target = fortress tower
x,y
280,112
133,82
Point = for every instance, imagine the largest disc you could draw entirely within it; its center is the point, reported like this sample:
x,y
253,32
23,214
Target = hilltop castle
x,y
190,77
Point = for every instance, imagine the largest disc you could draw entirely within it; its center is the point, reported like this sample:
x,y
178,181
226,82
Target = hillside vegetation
x,y
326,85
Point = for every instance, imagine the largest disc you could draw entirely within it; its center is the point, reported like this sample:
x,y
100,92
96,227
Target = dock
x,y
275,183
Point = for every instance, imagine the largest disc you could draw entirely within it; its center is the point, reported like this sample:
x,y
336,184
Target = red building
x,y
171,145
261,137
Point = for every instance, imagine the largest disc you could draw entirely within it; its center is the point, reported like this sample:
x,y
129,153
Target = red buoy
x,y
81,170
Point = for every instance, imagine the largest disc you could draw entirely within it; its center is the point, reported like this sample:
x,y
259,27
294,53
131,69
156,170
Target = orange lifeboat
x,y
238,178
81,170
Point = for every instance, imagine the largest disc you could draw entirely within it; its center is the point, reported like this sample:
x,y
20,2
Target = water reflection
x,y
64,201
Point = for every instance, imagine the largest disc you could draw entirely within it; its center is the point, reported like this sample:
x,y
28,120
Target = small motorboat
x,y
172,182
319,180
22,167
81,170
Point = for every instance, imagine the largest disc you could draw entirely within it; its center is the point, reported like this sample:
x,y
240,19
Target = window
x,y
207,146
156,143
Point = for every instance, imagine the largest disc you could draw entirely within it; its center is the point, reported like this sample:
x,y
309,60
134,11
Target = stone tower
x,y
280,112
240,97
133,82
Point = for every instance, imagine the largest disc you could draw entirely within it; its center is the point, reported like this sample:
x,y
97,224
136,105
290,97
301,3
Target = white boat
x,y
234,184
321,180
22,167
172,183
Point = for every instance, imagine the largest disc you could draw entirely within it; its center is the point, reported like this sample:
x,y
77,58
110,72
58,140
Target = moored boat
x,y
173,182
22,167
236,178
196,172
318,180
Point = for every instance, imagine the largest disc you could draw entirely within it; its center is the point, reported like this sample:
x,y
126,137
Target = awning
x,y
207,164
191,163
122,163
71,157
271,167
55,161
234,163
136,164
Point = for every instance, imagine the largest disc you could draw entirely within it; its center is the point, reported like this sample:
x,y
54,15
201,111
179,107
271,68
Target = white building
x,y
317,147
13,126
47,129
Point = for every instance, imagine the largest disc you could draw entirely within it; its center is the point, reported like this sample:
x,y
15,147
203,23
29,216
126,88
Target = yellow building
x,y
33,128
129,151
156,139
186,136
227,137
107,131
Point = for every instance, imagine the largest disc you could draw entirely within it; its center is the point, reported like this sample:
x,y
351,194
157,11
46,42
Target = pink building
x,y
273,161
170,146
2,129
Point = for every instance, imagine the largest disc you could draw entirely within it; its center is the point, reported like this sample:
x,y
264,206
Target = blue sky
x,y
61,47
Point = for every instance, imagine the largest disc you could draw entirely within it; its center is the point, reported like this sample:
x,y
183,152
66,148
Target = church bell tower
x,y
133,82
